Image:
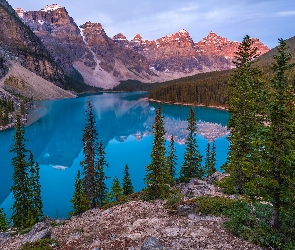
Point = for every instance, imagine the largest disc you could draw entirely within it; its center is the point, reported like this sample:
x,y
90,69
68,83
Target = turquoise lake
x,y
124,124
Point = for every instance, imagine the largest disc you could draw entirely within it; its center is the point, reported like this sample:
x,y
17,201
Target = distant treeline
x,y
135,85
209,89
6,106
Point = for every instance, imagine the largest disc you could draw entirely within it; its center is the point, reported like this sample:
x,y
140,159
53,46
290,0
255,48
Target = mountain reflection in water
x,y
124,124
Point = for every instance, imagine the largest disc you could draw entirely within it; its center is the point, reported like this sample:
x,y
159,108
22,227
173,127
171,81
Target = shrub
x,y
213,205
44,244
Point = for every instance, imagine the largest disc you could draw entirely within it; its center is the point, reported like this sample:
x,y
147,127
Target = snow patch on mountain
x,y
20,12
51,7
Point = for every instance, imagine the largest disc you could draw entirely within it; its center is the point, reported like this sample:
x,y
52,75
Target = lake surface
x,y
124,124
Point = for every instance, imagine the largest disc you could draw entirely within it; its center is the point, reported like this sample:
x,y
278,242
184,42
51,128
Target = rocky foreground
x,y
138,225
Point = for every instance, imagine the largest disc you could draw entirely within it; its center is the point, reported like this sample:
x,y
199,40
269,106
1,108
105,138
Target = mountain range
x,y
47,46
104,61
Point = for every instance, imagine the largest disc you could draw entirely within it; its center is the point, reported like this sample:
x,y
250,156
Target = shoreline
x,y
187,104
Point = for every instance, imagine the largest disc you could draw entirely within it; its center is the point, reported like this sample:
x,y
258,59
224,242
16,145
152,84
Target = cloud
x,y
285,13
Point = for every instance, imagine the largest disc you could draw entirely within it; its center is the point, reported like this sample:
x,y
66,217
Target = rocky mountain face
x,y
60,35
179,53
19,43
214,45
88,49
118,61
104,61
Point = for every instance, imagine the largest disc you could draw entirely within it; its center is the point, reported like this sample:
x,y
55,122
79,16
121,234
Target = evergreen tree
x,y
116,193
210,160
127,182
34,182
246,101
191,167
212,166
101,188
90,148
207,158
172,159
21,209
276,176
22,108
79,200
3,221
157,174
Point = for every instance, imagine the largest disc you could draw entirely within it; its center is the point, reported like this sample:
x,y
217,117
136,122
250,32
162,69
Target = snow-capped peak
x,y
183,31
51,7
20,12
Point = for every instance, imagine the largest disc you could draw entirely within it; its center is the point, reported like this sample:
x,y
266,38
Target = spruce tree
x,y
191,167
207,159
101,188
172,159
79,200
127,182
246,101
3,221
157,174
116,193
35,186
212,161
276,176
90,149
21,189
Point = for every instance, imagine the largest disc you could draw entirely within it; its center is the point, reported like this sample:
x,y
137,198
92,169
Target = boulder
x,y
185,210
151,243
39,231
4,237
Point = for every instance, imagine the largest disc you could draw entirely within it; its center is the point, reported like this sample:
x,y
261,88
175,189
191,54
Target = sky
x,y
267,20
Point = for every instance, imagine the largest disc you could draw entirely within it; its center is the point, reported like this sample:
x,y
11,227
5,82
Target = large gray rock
x,y
185,210
151,243
4,237
217,176
39,231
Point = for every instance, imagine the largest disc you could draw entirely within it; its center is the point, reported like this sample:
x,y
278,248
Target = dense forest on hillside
x,y
135,85
211,88
207,88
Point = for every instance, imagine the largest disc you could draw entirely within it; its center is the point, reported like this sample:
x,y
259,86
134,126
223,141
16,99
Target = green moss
x,y
44,244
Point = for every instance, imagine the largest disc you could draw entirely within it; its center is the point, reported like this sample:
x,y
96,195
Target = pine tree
x,y
246,101
101,188
116,193
157,174
90,148
35,187
127,182
191,167
21,209
3,221
212,166
210,160
207,159
79,200
276,176
172,159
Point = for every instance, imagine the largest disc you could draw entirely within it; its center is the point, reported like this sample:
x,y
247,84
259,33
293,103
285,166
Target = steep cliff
x,y
19,43
60,35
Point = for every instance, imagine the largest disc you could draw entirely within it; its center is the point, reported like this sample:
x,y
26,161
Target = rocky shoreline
x,y
138,225
187,104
